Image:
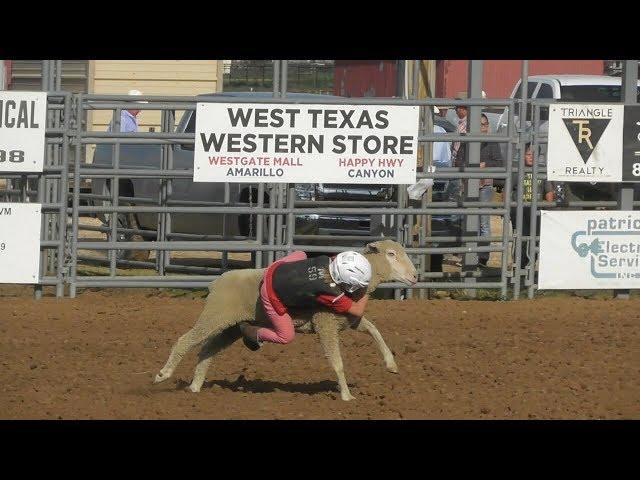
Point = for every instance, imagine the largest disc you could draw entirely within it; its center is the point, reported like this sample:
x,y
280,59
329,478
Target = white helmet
x,y
351,269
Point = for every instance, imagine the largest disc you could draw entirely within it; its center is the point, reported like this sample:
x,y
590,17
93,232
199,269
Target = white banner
x,y
589,250
22,125
305,143
585,142
19,242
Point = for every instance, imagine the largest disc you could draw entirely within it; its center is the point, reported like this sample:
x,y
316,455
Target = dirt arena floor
x,y
93,357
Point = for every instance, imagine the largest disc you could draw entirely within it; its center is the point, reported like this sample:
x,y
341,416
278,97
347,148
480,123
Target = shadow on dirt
x,y
241,384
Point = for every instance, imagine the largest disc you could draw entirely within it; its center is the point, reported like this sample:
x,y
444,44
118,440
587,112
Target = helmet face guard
x,y
352,288
351,270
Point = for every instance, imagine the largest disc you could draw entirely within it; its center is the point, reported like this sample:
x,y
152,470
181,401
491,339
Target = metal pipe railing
x,y
276,209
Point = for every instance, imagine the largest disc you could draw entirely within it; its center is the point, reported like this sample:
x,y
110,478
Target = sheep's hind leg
x,y
185,343
209,349
327,330
367,326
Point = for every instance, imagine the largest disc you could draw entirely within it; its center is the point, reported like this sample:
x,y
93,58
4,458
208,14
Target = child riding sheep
x,y
339,283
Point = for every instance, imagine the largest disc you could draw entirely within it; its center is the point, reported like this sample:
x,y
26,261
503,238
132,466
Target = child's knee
x,y
287,335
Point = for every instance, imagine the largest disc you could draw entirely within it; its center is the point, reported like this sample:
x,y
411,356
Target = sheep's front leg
x,y
366,326
327,330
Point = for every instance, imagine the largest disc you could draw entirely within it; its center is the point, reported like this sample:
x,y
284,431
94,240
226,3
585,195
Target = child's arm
x,y
357,307
344,304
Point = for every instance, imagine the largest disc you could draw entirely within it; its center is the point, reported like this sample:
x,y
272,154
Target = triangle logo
x,y
586,133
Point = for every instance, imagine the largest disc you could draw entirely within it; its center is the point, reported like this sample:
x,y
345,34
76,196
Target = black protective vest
x,y
298,283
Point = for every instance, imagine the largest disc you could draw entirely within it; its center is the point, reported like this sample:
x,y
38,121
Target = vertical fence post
x,y
115,193
64,195
506,198
58,75
224,257
43,184
284,72
170,125
472,185
44,76
55,184
272,222
413,221
425,220
281,188
522,141
38,288
291,221
52,65
259,225
162,200
274,186
533,212
49,159
40,197
276,78
629,96
401,225
76,198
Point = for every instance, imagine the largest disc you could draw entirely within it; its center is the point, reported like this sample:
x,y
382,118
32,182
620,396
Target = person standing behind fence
x,y
490,156
441,150
545,191
454,186
457,155
129,123
129,117
441,159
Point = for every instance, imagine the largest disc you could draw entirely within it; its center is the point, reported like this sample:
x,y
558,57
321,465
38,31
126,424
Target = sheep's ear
x,y
372,247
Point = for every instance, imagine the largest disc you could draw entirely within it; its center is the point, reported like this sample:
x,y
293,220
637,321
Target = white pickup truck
x,y
567,88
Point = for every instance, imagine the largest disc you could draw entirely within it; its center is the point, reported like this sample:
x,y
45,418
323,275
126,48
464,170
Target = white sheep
x,y
235,297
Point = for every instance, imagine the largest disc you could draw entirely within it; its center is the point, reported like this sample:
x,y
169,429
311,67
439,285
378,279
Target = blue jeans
x,y
486,195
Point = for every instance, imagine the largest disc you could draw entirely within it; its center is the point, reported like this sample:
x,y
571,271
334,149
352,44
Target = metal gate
x,y
275,207
50,189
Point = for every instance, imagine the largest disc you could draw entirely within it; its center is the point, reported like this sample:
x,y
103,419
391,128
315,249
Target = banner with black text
x,y
22,129
306,143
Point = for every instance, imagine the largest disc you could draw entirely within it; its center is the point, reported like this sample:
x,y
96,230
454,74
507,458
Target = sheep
x,y
235,297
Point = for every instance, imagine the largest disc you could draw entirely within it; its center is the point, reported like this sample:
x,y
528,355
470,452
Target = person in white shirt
x,y
129,117
441,158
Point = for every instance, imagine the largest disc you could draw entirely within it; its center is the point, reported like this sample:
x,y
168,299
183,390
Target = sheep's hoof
x,y
392,367
347,396
193,388
160,378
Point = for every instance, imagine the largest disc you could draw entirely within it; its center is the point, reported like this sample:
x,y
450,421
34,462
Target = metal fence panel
x,y
270,211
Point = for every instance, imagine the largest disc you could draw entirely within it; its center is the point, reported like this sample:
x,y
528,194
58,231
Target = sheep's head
x,y
389,262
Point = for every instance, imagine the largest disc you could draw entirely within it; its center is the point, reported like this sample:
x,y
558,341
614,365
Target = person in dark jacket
x,y
490,156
